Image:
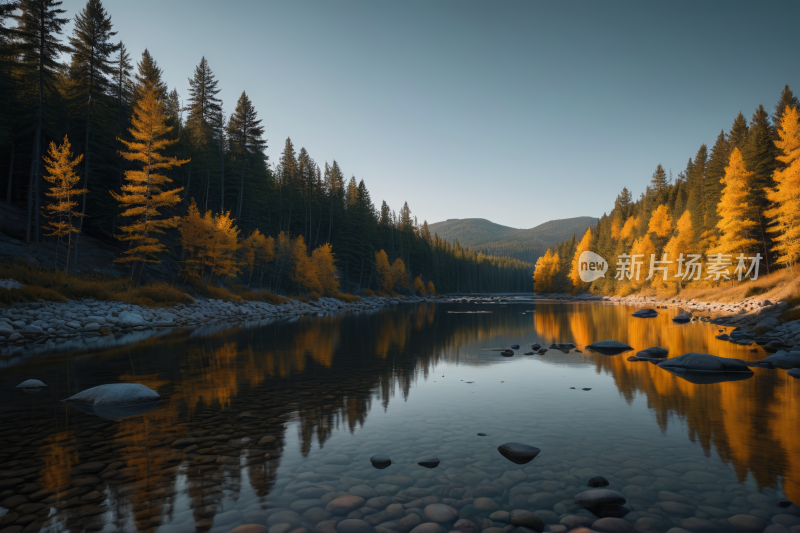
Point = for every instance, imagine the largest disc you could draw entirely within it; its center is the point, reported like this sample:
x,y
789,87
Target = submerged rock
x,y
645,313
597,481
593,498
518,453
795,372
609,347
507,353
31,384
683,318
529,353
782,357
515,346
430,462
535,346
380,461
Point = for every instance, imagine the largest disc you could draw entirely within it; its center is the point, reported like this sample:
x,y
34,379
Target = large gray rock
x,y
128,319
645,313
31,384
652,352
115,395
703,362
782,357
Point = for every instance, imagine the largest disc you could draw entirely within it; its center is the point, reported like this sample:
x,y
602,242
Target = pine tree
x,y
737,220
145,192
658,182
787,98
61,173
246,138
149,74
38,30
91,68
203,105
715,171
786,213
737,137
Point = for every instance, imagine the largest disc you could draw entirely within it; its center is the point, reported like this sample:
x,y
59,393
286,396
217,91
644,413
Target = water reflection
x,y
219,434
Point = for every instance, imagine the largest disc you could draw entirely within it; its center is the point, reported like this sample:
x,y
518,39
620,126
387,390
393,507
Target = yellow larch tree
x,y
250,250
223,245
61,173
643,246
431,288
304,271
399,274
677,245
384,270
195,236
660,222
736,222
325,266
545,271
786,194
419,286
145,192
574,273
629,228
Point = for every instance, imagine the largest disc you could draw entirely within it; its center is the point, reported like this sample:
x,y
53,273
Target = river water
x,y
269,424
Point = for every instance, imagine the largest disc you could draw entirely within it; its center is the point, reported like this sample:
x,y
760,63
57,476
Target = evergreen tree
x,y
245,134
658,182
715,171
39,27
149,75
203,106
737,137
90,71
787,98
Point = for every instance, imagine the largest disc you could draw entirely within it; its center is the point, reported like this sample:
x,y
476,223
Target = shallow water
x,y
280,409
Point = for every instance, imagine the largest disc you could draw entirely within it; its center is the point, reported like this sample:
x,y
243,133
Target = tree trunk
x,y
241,194
10,175
30,202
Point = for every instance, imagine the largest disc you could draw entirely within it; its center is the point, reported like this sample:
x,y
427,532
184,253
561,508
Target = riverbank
x,y
57,325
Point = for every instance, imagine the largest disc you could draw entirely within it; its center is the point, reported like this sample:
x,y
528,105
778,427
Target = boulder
x,y
116,400
703,362
795,372
723,337
609,347
645,313
683,318
129,320
507,353
782,357
535,346
652,352
515,346
518,453
597,481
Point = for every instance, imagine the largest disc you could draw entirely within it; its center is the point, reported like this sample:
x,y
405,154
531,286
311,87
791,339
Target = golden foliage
x,y
786,213
211,240
400,275
61,173
647,250
736,223
660,221
583,246
419,286
325,267
145,191
384,271
629,228
545,271
431,288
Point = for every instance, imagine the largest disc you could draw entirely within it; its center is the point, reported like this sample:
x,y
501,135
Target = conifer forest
x,y
739,199
93,142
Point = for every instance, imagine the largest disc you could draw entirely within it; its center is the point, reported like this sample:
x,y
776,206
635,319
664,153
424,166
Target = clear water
x,y
287,415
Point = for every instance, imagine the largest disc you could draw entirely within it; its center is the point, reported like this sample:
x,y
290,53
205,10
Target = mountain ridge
x,y
483,235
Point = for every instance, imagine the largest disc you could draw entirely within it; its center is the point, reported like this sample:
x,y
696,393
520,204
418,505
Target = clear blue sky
x,y
519,112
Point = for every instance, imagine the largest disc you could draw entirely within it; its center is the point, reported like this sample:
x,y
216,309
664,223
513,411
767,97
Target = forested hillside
x,y
732,214
99,144
524,244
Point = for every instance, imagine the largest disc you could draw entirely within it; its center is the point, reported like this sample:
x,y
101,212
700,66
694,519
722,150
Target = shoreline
x,y
47,327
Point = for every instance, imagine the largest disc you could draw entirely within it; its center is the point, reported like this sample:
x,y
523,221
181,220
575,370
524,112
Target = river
x,y
270,424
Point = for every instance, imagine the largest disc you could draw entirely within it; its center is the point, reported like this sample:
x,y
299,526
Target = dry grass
x,y
347,298
775,286
54,285
274,299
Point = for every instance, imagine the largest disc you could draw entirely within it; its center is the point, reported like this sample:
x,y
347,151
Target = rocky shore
x,y
55,326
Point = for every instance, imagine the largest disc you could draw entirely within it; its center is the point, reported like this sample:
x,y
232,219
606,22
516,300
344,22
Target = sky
x,y
518,112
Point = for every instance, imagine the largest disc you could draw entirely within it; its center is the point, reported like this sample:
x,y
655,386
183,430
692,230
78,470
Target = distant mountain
x,y
484,235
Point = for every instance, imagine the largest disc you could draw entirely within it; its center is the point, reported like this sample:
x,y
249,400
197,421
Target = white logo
x,y
591,266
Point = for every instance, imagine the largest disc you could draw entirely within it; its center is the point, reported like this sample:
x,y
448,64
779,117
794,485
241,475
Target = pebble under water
x,y
273,428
